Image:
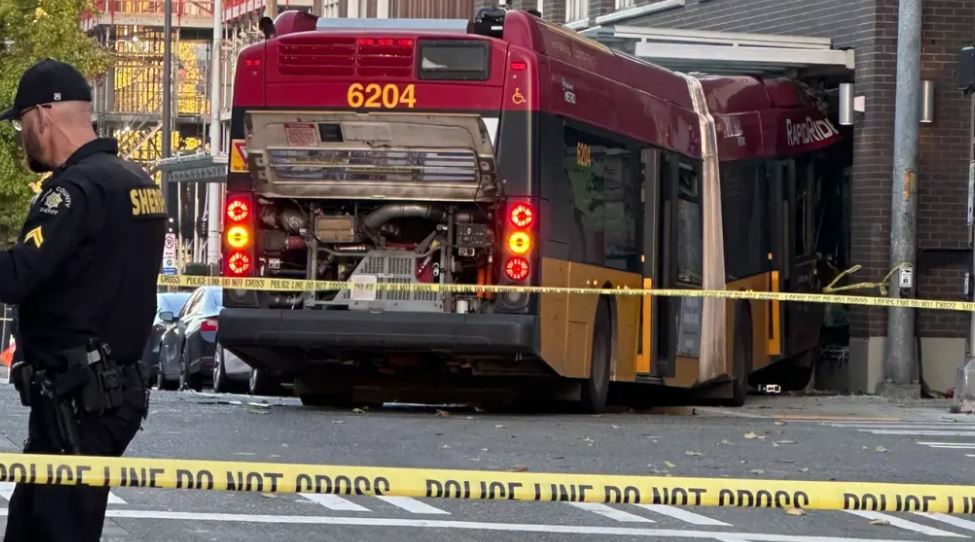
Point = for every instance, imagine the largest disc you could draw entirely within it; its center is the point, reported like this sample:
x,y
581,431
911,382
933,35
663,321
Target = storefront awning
x,y
725,52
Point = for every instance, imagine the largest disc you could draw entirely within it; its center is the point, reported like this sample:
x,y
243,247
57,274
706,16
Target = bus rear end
x,y
372,156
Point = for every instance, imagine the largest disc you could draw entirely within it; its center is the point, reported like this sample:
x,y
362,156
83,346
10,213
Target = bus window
x,y
745,220
803,224
690,240
605,193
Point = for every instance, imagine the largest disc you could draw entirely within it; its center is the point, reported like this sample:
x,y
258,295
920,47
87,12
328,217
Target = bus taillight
x,y
522,215
517,268
238,238
519,240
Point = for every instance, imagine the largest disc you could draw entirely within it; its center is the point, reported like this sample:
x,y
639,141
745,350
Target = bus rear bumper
x,y
365,331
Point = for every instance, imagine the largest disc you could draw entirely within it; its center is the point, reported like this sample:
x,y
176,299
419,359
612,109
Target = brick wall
x,y
947,26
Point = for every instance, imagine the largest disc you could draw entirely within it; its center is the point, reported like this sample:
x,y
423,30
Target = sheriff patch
x,y
147,203
54,199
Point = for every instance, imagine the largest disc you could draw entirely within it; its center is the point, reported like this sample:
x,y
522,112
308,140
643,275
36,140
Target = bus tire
x,y
742,353
595,391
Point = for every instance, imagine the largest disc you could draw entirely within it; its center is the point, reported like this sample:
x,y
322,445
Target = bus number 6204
x,y
376,96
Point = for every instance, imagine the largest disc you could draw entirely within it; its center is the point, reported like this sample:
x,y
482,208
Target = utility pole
x,y
215,190
170,192
899,365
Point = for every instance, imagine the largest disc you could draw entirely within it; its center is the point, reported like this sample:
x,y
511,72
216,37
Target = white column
x,y
353,10
382,9
215,190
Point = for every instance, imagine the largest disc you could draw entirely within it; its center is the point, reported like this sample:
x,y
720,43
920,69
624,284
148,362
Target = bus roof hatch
x,y
415,25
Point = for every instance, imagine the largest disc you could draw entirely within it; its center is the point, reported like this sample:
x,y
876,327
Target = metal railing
x,y
180,8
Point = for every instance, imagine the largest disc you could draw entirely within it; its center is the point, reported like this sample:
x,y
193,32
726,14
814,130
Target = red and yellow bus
x,y
507,150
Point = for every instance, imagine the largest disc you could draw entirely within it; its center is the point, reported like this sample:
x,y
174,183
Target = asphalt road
x,y
784,438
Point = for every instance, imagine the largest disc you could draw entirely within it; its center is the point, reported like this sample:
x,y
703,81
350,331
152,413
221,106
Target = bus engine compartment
x,y
362,242
392,198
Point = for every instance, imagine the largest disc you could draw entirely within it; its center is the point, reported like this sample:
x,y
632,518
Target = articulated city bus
x,y
510,151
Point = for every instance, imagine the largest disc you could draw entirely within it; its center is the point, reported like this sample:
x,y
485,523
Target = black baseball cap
x,y
48,81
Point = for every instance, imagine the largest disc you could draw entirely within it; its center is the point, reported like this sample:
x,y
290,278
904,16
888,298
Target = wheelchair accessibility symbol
x,y
518,98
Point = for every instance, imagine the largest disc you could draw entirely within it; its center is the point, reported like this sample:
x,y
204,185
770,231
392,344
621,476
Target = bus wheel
x,y
742,357
596,390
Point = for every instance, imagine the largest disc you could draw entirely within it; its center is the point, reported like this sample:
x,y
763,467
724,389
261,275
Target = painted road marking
x,y
334,502
611,513
412,505
955,445
954,521
904,524
474,526
7,491
919,433
683,515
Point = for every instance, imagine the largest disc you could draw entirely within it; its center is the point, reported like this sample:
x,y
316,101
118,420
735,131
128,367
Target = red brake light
x,y
519,66
404,42
516,268
522,215
209,324
366,41
252,62
238,209
239,263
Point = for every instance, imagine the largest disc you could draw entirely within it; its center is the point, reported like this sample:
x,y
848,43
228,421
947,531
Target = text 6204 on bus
x,y
507,150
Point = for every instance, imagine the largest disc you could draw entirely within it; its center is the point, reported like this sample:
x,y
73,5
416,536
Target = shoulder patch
x,y
54,199
147,202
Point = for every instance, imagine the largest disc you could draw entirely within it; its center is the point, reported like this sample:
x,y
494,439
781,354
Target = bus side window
x,y
690,238
605,198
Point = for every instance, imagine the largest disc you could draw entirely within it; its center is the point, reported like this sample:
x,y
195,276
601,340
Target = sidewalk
x,y
840,408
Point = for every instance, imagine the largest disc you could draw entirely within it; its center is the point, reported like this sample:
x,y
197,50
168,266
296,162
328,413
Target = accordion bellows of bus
x,y
507,150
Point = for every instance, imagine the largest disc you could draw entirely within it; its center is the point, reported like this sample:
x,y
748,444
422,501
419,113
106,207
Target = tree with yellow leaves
x,y
35,29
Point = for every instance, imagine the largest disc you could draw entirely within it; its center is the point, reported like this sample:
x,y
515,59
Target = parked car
x,y
166,302
188,344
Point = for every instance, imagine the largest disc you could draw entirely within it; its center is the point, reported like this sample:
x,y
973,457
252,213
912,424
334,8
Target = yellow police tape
x,y
294,285
482,485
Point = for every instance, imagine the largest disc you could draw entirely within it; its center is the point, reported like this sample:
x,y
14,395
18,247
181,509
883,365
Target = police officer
x,y
83,274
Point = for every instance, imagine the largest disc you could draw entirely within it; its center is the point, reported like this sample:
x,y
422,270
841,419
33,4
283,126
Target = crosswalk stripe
x,y
7,491
683,515
905,524
954,521
949,446
412,505
919,432
334,502
611,513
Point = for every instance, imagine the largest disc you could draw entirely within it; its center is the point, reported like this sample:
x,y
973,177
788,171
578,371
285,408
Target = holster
x,y
22,375
91,377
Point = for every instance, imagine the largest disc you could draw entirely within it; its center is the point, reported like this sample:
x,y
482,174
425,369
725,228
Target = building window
x,y
576,10
622,4
331,8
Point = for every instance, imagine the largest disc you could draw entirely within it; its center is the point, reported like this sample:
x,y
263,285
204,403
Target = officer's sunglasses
x,y
16,120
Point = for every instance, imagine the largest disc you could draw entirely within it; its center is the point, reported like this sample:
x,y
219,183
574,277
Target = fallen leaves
x,y
795,511
442,413
691,453
750,435
358,411
518,468
669,464
758,471
879,521
881,449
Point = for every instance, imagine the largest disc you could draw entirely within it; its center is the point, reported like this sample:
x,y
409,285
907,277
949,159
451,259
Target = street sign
x,y
238,156
169,255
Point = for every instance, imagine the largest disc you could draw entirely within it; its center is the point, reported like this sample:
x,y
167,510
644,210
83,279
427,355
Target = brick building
x,y
869,29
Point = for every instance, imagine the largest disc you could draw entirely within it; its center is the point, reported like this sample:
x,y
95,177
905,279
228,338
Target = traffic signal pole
x,y
899,363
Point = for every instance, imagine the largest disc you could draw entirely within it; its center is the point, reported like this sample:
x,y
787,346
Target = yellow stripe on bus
x,y
292,285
